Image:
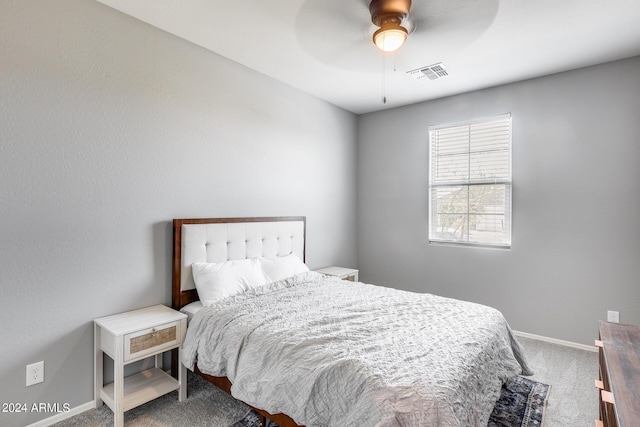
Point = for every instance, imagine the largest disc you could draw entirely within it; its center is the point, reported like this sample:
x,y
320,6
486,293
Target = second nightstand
x,y
130,337
350,274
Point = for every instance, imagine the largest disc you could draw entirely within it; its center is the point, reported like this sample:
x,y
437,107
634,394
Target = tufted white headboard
x,y
223,239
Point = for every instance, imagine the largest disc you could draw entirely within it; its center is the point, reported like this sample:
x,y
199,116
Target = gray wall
x,y
111,128
576,202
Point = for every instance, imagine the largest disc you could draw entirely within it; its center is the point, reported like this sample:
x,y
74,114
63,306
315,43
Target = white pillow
x,y
215,281
282,267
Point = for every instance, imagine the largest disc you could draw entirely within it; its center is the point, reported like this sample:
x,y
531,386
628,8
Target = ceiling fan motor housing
x,y
385,12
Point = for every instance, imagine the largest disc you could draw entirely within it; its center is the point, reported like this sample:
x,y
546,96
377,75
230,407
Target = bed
x,y
303,348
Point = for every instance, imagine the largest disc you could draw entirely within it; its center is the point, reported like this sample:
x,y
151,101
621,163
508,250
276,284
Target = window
x,y
470,182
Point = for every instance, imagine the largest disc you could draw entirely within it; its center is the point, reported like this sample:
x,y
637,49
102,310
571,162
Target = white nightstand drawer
x,y
151,340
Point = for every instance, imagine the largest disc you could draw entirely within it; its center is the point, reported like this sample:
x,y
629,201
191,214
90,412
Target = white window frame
x,y
437,182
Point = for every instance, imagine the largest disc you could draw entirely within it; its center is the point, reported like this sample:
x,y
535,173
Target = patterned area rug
x,y
522,404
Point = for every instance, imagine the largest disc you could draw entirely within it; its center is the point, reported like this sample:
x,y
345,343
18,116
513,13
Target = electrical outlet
x,y
35,373
613,316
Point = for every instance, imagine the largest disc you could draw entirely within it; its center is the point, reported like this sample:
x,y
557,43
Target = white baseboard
x,y
556,341
64,415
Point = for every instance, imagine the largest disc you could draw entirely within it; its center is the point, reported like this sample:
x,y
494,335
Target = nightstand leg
x,y
97,368
118,388
182,379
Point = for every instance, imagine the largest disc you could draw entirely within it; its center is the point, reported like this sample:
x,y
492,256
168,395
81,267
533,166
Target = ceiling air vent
x,y
432,72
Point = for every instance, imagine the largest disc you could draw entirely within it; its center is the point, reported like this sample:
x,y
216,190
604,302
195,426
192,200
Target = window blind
x,y
470,182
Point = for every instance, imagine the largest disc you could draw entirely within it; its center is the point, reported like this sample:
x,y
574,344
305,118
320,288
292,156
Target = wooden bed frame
x,y
182,297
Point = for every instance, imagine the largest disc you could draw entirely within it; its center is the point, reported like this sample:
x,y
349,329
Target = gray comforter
x,y
332,353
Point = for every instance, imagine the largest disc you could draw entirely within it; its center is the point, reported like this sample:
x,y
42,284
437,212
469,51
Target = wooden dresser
x,y
619,348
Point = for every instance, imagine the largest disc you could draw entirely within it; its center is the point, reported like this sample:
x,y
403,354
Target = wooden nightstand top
x,y
338,271
124,323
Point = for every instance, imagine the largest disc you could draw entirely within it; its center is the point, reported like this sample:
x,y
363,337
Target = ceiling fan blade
x,y
334,32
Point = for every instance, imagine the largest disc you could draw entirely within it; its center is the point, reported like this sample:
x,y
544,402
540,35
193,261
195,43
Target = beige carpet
x,y
206,406
573,401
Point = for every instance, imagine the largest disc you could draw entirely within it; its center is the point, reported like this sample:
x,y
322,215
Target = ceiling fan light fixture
x,y
388,15
390,38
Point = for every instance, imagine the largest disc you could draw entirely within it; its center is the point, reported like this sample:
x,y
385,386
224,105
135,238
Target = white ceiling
x,y
323,47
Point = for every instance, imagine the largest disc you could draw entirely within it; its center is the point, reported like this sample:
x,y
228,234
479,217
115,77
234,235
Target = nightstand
x,y
130,337
350,274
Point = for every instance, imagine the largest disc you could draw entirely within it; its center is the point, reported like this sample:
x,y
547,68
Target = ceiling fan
x,y
390,16
340,33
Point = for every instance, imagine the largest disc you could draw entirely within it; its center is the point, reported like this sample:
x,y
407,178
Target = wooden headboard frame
x,y
252,227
